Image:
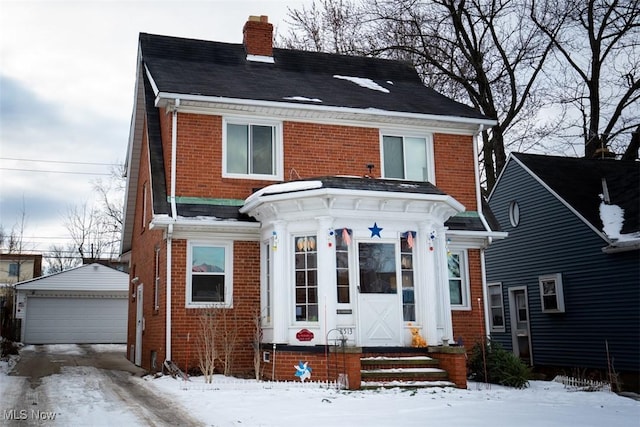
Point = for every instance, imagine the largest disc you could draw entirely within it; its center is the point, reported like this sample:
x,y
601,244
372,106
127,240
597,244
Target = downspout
x,y
483,270
476,168
174,215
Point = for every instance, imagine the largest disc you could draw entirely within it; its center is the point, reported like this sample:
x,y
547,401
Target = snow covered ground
x,y
235,402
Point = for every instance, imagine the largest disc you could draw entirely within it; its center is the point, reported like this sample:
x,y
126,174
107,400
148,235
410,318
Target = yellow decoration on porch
x,y
416,339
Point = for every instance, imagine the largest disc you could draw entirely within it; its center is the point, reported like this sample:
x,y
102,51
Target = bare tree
x,y
95,229
485,53
597,45
227,337
60,258
206,348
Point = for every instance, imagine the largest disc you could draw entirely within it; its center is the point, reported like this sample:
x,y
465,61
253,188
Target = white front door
x,y
379,305
139,326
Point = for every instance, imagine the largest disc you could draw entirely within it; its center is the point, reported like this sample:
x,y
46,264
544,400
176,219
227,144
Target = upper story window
x,y
458,280
252,149
407,157
551,293
210,279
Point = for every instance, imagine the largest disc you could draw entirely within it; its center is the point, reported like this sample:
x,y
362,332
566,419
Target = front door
x,y
139,326
519,314
379,306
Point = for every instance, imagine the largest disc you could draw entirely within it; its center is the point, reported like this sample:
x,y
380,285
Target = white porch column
x,y
327,294
445,326
281,285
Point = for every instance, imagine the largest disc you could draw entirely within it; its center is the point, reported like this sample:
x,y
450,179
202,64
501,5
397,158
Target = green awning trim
x,y
207,201
467,214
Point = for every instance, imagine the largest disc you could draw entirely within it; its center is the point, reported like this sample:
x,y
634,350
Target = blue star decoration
x,y
375,230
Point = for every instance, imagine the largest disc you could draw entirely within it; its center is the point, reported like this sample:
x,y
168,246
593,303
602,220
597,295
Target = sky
x,y
82,395
67,74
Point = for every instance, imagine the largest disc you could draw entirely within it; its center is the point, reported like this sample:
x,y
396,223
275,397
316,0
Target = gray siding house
x,y
564,288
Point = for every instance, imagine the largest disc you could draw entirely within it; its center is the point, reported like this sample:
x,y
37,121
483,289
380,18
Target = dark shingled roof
x,y
197,67
578,181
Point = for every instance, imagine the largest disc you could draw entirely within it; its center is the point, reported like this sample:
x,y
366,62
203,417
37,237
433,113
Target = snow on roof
x,y
612,217
301,98
285,187
363,82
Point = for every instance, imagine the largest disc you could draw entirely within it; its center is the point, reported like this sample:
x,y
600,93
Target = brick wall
x,y
469,325
455,172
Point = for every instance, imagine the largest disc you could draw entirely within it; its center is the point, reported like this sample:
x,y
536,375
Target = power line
x,y
50,171
59,161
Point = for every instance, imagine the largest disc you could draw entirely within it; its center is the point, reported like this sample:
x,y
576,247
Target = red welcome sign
x,y
304,335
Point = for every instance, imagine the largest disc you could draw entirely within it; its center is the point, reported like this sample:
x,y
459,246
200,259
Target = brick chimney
x,y
258,36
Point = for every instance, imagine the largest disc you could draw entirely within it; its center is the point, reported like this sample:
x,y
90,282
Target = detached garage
x,y
84,305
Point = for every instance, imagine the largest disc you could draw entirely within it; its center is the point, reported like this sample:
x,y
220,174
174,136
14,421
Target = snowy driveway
x,y
78,385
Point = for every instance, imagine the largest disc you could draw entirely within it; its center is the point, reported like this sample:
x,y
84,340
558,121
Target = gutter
x,y
174,215
160,96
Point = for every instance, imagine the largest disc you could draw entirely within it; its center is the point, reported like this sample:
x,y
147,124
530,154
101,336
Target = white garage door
x,y
76,320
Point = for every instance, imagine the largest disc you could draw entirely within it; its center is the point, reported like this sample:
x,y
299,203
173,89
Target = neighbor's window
x,y
14,269
496,307
252,149
406,265
306,262
406,157
514,213
210,275
343,240
458,280
551,293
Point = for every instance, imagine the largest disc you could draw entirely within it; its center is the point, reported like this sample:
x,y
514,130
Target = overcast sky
x,y
67,71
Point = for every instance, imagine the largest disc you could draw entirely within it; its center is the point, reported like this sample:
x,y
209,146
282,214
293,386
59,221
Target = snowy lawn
x,y
234,402
248,403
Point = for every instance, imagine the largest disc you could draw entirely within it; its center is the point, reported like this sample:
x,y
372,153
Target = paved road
x,y
83,387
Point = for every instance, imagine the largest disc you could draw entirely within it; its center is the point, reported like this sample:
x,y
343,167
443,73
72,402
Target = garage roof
x,y
88,277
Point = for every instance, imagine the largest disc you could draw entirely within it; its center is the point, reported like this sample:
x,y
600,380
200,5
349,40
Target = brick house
x,y
335,197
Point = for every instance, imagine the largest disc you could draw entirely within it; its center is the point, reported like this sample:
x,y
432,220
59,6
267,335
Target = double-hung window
x,y
252,149
458,280
210,279
551,293
496,307
407,157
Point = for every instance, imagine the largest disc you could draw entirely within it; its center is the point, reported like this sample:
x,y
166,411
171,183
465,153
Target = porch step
x,y
402,372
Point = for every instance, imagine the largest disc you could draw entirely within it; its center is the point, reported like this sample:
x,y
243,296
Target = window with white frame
x,y
210,279
407,157
406,265
496,307
458,279
306,264
551,294
252,149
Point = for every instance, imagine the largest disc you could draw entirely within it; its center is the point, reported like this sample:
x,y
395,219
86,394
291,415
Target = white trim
x,y
490,327
168,96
